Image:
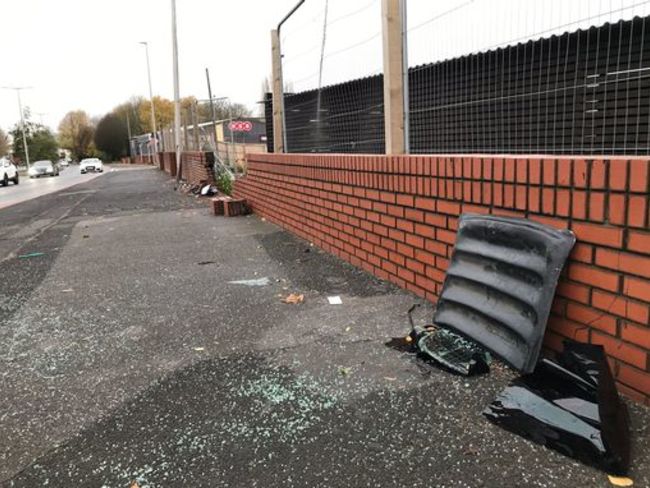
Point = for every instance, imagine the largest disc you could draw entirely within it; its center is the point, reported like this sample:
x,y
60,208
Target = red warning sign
x,y
240,126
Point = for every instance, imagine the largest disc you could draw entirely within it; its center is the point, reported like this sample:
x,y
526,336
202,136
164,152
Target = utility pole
x,y
40,116
232,136
185,134
22,118
214,124
154,158
177,102
128,131
128,126
195,126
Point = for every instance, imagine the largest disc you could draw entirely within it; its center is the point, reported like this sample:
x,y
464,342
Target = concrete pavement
x,y
128,355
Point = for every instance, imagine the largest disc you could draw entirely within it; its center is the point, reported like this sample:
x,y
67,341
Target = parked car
x,y
64,163
91,164
8,172
43,168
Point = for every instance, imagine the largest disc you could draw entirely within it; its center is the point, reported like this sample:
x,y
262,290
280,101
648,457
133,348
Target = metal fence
x,y
547,88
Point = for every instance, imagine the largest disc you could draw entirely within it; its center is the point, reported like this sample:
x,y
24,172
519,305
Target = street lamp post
x,y
177,103
154,158
40,116
22,118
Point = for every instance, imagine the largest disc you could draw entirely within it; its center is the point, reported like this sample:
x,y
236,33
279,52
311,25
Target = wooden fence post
x,y
278,95
395,112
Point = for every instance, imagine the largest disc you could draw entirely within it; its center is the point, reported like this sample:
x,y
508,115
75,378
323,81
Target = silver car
x,y
43,168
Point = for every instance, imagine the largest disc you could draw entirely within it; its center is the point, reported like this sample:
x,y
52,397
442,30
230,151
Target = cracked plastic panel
x,y
571,406
501,282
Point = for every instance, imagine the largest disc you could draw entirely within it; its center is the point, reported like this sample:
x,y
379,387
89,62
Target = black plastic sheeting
x,y
500,284
571,406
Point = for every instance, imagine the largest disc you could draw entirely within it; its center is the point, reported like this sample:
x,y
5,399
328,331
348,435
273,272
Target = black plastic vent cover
x,y
501,282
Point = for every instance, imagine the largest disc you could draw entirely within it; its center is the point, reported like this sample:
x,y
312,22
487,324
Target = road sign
x,y
240,126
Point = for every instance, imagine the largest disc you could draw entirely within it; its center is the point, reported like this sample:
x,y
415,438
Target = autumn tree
x,y
137,111
164,110
76,133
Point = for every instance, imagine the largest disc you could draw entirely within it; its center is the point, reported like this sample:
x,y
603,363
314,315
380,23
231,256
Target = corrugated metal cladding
x,y
501,282
586,92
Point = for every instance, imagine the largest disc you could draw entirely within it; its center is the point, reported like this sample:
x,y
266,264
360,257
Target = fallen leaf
x,y
470,451
345,371
620,480
390,378
294,298
134,485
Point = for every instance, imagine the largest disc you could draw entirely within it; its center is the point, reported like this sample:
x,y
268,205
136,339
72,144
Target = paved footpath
x,y
127,355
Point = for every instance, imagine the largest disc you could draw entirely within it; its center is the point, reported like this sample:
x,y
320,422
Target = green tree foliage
x,y
111,136
4,143
76,134
129,112
40,141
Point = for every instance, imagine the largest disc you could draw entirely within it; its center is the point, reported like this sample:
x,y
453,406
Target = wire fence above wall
x,y
541,79
325,44
487,76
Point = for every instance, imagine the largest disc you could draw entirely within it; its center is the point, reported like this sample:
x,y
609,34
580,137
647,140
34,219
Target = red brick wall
x,y
140,159
168,162
195,169
195,166
396,217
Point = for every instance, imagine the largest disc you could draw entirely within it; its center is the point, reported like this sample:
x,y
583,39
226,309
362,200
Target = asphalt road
x,y
31,188
128,354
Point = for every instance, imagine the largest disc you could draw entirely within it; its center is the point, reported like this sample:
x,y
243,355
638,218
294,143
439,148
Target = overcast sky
x,y
84,54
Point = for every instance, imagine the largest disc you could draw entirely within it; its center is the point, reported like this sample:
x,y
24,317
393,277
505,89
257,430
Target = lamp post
x,y
40,116
22,118
177,103
154,158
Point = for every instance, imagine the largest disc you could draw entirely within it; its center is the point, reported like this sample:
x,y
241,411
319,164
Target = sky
x,y
84,54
